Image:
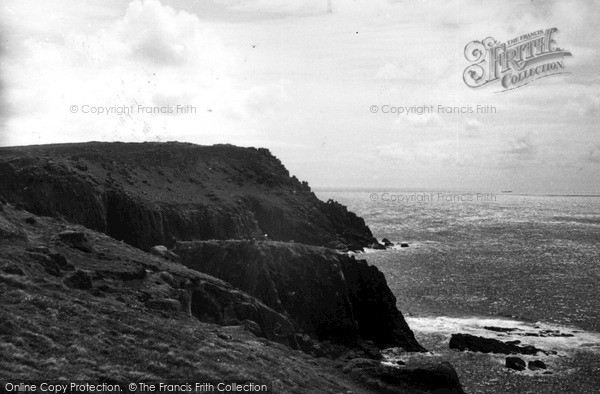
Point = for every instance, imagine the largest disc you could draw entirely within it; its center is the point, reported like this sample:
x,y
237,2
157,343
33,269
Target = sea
x,y
501,265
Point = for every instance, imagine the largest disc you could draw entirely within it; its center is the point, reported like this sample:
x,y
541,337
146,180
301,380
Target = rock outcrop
x,y
117,314
535,365
155,281
328,295
79,293
149,194
489,345
516,363
412,378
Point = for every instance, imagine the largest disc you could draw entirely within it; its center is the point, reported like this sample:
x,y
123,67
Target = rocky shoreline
x,y
132,262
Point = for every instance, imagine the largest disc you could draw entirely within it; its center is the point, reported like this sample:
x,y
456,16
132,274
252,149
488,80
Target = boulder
x,y
252,326
79,280
9,230
30,220
164,304
164,252
516,363
488,345
75,239
337,245
12,269
61,261
499,329
404,245
535,365
216,302
53,263
423,376
387,242
377,246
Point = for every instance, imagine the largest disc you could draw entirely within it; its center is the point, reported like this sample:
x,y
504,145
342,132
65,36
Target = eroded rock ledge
x,y
328,295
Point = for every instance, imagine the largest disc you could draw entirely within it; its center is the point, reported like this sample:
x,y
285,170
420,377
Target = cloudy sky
x,y
300,78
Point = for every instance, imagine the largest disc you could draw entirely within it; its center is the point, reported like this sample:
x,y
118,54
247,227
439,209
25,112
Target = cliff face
x,y
329,296
159,193
45,253
79,305
176,194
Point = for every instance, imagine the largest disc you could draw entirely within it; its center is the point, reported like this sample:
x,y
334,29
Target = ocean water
x,y
527,263
530,257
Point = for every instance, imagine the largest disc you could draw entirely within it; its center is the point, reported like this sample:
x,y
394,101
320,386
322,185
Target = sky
x,y
302,78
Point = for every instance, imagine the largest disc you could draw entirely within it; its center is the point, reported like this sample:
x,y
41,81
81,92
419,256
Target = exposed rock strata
x,y
328,295
155,194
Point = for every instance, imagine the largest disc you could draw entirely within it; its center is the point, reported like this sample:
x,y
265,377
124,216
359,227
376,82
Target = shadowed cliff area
x,y
221,303
158,193
79,305
328,295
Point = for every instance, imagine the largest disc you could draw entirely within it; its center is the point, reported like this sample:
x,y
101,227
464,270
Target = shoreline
x,y
577,349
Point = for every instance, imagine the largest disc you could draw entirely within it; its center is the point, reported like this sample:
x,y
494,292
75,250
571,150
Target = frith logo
x,y
516,62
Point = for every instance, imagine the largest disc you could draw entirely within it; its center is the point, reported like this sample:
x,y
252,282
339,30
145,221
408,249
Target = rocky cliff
x,y
158,193
328,295
78,300
79,305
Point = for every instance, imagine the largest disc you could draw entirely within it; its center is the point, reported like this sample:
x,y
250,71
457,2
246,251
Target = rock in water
x,y
515,363
428,377
488,345
377,246
534,365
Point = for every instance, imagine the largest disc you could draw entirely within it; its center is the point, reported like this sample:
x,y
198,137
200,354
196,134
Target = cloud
x,y
413,69
473,128
425,120
395,151
520,149
593,155
297,7
151,56
389,72
230,58
585,103
431,154
158,33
